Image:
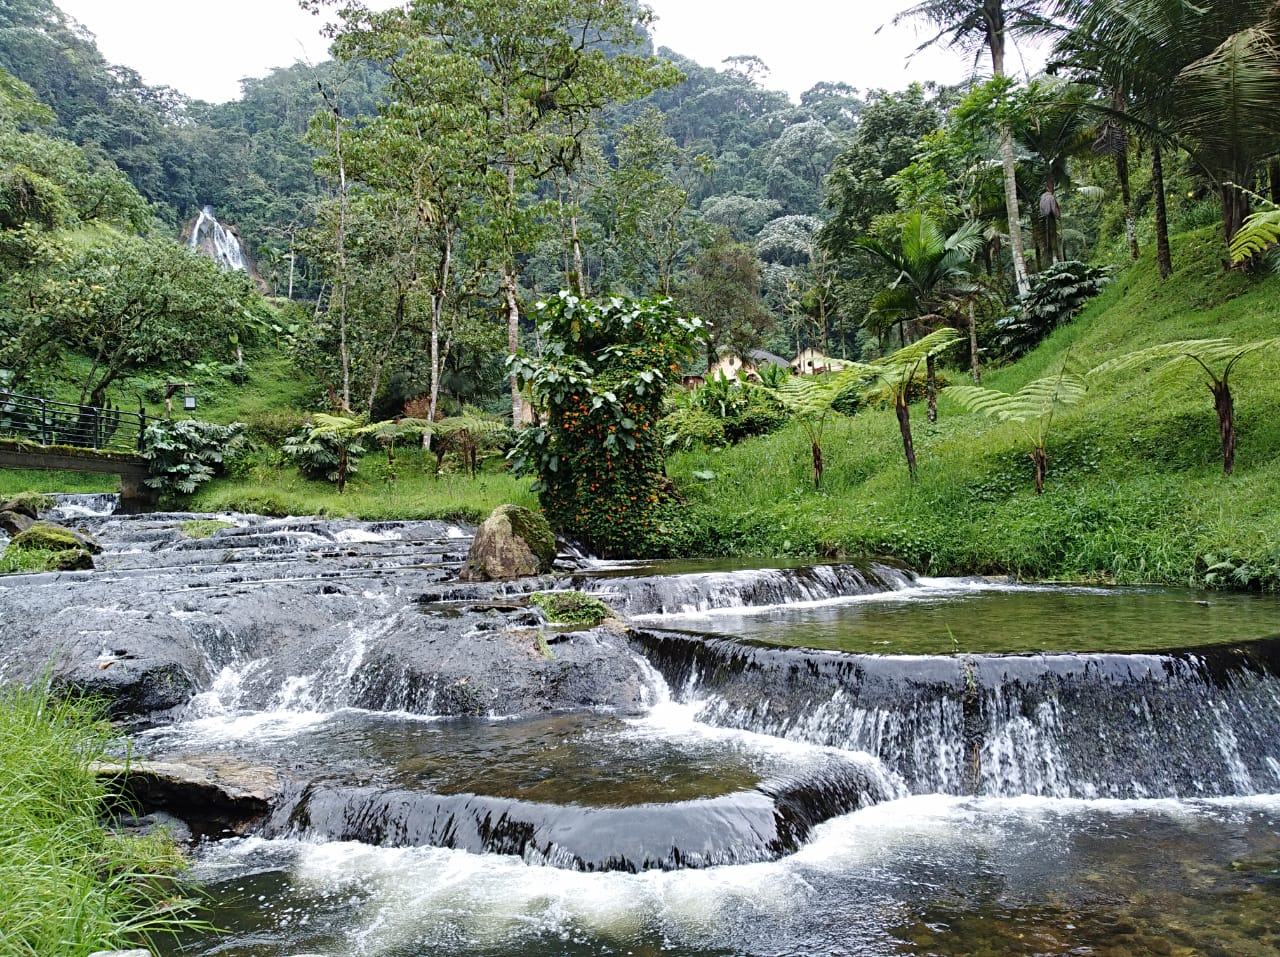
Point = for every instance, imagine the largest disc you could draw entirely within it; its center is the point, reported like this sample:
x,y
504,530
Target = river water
x,y
827,760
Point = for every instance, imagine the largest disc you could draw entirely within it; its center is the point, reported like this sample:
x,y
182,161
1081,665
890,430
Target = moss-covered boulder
x,y
15,523
45,536
30,504
513,542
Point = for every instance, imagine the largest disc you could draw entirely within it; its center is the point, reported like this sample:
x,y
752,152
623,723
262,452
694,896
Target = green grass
x,y
203,528
1135,490
69,886
15,481
266,484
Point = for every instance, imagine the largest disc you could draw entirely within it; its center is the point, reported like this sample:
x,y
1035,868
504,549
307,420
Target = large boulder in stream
x,y
513,542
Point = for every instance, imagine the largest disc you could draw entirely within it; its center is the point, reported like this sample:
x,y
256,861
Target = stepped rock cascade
x,y
216,241
1198,723
634,593
731,770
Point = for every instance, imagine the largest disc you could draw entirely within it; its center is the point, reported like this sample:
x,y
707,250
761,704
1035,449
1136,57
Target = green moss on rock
x,y
533,528
45,536
572,607
30,504
513,542
203,527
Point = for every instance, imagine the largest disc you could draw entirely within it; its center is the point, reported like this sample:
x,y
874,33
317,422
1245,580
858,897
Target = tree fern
x,y
1210,355
1034,405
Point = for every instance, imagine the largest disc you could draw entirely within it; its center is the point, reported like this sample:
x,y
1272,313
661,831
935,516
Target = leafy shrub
x,y
273,426
598,455
318,452
690,425
184,455
743,409
1058,294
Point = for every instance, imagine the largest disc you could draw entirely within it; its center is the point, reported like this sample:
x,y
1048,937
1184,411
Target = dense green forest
x,y
414,205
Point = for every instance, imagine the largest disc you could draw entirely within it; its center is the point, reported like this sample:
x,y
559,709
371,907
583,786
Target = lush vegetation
x,y
923,236
68,884
1135,489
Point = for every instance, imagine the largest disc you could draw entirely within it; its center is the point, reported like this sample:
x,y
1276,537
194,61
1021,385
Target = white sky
x,y
203,48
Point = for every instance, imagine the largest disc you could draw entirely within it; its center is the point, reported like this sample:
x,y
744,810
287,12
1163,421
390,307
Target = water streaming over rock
x,y
216,241
1196,723
461,778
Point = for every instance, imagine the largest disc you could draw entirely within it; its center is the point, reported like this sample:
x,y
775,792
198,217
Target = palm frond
x,y
326,424
1261,231
1202,351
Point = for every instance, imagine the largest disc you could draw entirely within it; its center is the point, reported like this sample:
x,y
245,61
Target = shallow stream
x,y
823,760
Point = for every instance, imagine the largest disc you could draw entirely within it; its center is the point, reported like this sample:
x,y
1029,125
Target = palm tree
x,y
972,25
931,269
1203,77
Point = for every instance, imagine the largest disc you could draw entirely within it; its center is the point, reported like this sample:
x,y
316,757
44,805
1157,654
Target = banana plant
x,y
1033,407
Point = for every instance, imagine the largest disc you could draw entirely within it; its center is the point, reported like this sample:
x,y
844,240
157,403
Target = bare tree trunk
x,y
1163,257
931,386
817,466
1126,197
904,426
973,345
509,287
1224,405
995,41
1014,216
1040,459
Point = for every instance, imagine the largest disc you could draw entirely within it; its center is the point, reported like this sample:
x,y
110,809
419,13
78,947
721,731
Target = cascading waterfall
x,y
218,242
1195,724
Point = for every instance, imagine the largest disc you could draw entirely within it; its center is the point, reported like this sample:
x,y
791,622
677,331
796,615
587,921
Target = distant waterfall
x,y
217,242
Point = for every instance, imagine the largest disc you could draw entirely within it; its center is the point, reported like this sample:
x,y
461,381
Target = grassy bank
x,y
69,886
1135,490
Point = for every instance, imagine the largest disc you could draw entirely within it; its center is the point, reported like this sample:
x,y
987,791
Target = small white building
x,y
813,362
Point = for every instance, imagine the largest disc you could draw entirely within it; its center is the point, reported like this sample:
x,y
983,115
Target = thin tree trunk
x,y
904,426
513,339
1014,216
995,42
817,466
1040,459
1163,257
973,345
931,386
1224,405
1235,207
1126,198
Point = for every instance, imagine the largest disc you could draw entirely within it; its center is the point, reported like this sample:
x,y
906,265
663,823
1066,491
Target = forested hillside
x,y
411,202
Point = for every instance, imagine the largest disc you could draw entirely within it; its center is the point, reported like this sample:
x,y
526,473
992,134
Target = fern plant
x,y
327,447
1033,407
809,400
894,374
1210,355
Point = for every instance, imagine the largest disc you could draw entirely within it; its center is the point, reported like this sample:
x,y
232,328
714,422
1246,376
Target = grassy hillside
x,y
1135,490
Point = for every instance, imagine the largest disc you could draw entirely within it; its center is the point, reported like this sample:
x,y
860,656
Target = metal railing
x,y
45,422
